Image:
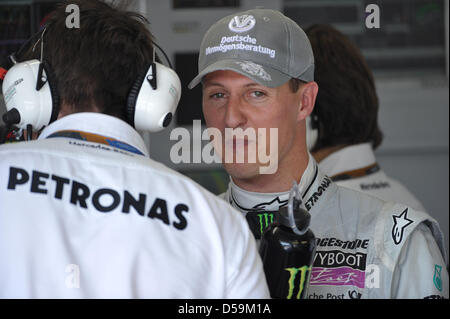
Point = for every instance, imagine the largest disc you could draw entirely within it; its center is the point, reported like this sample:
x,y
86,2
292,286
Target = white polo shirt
x,y
360,159
84,213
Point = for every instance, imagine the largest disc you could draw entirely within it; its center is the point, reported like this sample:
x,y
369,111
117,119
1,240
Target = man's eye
x,y
258,94
217,95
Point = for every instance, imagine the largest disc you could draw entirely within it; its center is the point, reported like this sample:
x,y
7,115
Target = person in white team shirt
x,y
257,71
343,129
84,211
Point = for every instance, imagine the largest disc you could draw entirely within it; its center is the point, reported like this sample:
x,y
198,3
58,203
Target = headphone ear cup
x,y
56,100
132,97
29,87
153,99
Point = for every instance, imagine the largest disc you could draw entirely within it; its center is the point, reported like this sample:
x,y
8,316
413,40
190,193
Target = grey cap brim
x,y
263,75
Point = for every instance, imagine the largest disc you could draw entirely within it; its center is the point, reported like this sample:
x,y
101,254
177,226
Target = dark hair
x,y
295,84
95,65
346,107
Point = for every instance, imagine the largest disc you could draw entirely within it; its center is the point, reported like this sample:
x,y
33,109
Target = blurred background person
x,y
344,121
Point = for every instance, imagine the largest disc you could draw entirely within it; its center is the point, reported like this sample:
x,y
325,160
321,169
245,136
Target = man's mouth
x,y
238,143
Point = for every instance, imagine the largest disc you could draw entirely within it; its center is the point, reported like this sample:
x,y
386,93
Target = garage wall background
x,y
414,104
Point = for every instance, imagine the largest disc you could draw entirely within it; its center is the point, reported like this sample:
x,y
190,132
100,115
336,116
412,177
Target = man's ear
x,y
308,93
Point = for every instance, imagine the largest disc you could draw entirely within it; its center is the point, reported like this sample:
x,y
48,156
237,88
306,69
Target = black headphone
x,y
32,100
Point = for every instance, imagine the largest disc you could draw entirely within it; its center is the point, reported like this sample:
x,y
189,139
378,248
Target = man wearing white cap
x,y
257,71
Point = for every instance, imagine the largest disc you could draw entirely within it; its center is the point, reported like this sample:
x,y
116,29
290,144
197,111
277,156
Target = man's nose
x,y
234,116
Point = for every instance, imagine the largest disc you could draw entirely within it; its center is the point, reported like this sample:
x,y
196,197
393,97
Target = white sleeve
x,y
421,271
246,278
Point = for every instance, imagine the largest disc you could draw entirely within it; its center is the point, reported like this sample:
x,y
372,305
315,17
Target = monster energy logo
x,y
293,271
264,220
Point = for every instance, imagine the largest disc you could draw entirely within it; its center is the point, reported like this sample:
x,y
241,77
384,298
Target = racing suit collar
x,y
100,124
246,201
348,158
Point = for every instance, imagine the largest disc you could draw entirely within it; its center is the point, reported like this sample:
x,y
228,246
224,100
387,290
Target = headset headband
x,y
31,96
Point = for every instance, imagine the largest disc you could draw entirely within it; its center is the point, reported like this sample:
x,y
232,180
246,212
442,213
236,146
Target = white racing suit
x,y
84,213
356,167
366,248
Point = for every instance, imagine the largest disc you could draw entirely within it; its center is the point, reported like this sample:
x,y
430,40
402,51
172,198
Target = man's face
x,y
234,101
